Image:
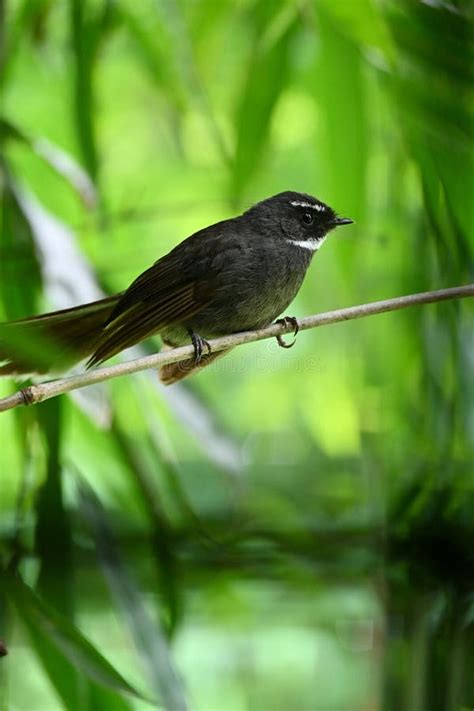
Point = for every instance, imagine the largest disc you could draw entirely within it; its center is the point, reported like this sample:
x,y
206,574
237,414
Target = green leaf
x,y
59,160
339,89
5,635
62,635
27,18
435,97
360,20
267,76
76,691
86,30
142,475
148,635
53,525
10,132
153,47
20,276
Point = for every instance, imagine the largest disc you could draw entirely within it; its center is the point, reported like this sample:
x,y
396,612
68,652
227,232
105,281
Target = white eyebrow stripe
x,y
312,244
311,205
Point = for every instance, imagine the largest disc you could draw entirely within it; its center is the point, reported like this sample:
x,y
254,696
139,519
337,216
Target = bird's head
x,y
297,218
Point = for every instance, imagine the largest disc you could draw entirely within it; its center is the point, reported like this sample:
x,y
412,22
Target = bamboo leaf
x,y
340,92
85,34
61,162
49,625
148,636
153,48
270,64
28,18
53,528
362,21
434,93
18,257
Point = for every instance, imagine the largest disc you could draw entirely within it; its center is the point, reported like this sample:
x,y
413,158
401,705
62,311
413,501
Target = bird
x,y
236,275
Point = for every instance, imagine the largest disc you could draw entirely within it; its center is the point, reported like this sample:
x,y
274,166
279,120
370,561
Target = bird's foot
x,y
199,344
288,321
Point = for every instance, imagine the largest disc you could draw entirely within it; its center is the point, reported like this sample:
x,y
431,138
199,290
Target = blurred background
x,y
290,529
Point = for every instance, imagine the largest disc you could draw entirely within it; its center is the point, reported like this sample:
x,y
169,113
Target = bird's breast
x,y
254,287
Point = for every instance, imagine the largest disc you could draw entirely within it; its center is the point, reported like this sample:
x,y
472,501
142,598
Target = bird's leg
x,y
198,345
287,321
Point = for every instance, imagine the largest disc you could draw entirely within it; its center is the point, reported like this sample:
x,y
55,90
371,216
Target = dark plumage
x,y
236,275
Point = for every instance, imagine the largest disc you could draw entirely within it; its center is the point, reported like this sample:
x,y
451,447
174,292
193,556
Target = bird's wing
x,y
175,288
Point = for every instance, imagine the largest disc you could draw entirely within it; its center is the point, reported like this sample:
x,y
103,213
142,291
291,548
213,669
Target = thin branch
x,y
43,391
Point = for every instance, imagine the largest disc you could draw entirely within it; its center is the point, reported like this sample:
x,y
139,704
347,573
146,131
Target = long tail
x,y
54,341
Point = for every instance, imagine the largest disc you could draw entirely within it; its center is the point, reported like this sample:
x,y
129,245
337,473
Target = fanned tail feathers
x,y
53,341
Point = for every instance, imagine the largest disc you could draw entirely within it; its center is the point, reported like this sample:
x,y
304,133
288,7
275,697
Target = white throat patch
x,y
312,244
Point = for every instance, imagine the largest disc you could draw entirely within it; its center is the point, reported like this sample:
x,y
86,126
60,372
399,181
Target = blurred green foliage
x,y
290,530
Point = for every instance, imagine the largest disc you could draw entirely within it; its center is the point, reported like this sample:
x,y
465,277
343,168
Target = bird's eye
x,y
308,218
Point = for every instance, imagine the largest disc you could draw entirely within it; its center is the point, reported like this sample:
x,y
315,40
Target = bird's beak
x,y
342,221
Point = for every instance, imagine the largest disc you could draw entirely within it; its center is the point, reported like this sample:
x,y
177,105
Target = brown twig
x,y
43,391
